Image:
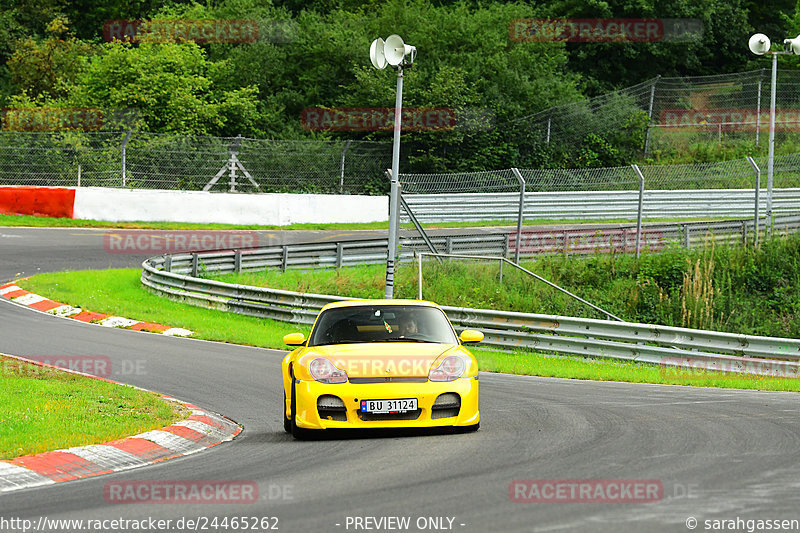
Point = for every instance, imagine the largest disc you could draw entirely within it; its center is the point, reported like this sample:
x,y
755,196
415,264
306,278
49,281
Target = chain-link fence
x,y
726,110
719,190
665,118
734,174
155,161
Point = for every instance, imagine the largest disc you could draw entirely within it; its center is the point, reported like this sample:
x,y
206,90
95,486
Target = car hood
x,y
382,359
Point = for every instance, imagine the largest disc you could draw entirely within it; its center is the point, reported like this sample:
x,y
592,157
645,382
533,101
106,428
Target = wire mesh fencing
x,y
665,118
736,188
159,161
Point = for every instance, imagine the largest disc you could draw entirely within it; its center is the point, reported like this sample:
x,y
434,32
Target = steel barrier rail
x,y
599,205
627,332
617,238
666,345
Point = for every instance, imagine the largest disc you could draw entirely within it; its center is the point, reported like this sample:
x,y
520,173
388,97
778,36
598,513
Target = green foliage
x,y
43,69
315,55
171,85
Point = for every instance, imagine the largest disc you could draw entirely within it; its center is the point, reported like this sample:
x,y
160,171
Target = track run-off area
x,y
551,454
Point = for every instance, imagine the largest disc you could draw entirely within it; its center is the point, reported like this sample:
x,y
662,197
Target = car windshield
x,y
388,323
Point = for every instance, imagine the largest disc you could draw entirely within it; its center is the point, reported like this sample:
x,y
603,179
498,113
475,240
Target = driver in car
x,y
408,326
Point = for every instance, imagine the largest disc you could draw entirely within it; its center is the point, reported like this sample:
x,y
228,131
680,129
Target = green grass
x,y
119,292
535,364
50,222
47,409
34,221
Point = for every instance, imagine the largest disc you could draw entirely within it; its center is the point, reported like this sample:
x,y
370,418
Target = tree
x,y
171,86
43,69
604,66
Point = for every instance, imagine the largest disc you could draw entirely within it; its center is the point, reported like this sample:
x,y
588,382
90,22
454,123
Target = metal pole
x,y
124,158
341,166
639,214
650,115
771,158
548,130
758,192
758,108
419,276
521,213
394,191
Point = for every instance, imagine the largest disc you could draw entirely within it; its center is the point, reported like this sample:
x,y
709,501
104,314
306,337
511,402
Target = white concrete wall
x,y
126,205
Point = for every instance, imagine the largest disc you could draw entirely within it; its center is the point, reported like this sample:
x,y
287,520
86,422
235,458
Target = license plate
x,y
389,406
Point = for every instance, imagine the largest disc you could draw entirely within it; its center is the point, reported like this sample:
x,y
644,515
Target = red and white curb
x,y
18,295
200,431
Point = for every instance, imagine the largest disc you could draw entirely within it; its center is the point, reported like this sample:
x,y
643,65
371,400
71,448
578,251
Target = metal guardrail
x,y
597,205
669,346
620,238
546,239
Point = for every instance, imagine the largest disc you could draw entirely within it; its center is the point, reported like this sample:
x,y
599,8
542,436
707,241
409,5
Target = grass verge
x,y
119,292
48,409
33,221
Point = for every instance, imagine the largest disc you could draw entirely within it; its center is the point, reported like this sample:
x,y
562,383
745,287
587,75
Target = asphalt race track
x,y
717,454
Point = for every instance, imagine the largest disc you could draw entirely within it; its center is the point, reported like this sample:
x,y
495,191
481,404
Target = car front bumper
x,y
308,416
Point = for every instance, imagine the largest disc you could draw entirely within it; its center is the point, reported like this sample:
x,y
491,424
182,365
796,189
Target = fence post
x,y
284,258
124,157
758,106
339,254
341,166
549,118
237,261
757,193
650,114
195,265
639,212
521,214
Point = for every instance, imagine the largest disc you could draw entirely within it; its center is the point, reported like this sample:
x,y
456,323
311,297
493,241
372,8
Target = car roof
x,y
357,303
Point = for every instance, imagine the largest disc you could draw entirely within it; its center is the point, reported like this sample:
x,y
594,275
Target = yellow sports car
x,y
380,364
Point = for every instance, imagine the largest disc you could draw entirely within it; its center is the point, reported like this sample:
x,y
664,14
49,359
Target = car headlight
x,y
324,371
452,367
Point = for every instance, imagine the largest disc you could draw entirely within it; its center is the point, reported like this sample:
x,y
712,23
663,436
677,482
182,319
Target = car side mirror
x,y
471,335
297,339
